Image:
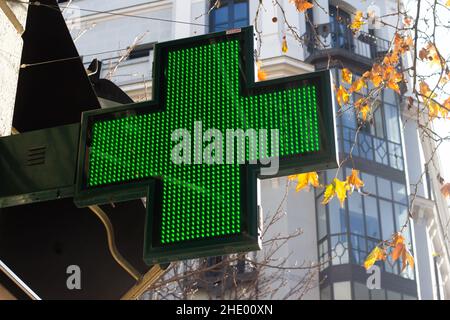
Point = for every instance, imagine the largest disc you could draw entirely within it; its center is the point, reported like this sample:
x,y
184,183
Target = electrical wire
x,y
38,3
58,8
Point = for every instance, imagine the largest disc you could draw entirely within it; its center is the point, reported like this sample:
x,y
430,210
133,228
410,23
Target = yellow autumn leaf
x,y
408,20
366,75
337,188
375,255
375,75
444,110
363,108
329,193
284,46
407,258
305,179
424,89
301,5
433,109
357,22
398,242
445,190
262,75
428,96
357,85
401,251
347,75
393,85
342,96
402,44
353,181
341,190
392,78
391,58
444,80
429,53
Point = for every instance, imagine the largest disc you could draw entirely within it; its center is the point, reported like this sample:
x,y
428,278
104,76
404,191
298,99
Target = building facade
x,y
389,150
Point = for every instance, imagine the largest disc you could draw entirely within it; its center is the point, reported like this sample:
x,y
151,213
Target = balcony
x,y
336,41
372,148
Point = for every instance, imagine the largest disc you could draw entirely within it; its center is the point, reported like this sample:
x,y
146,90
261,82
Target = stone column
x,y
182,12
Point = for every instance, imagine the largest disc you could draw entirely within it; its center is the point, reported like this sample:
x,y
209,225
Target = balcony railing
x,y
336,39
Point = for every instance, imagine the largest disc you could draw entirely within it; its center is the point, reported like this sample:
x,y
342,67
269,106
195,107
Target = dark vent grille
x,y
36,156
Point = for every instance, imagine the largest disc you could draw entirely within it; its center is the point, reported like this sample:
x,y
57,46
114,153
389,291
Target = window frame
x,y
231,17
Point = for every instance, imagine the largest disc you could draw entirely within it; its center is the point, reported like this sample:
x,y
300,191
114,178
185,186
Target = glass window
x,y
407,297
340,34
230,14
342,290
339,248
389,96
369,183
372,222
358,257
399,192
392,123
331,174
384,188
355,211
324,256
408,273
401,215
371,244
358,242
374,125
221,14
361,291
321,220
359,251
391,267
240,10
377,119
337,217
348,118
387,219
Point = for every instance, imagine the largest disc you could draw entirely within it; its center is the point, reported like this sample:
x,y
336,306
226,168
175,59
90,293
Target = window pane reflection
x,y
356,213
399,192
337,218
384,188
372,222
339,248
387,219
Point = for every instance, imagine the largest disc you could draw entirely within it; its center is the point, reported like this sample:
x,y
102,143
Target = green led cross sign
x,y
195,208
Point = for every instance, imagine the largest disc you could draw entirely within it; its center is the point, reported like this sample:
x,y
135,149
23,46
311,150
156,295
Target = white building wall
x,y
103,33
299,210
10,54
422,252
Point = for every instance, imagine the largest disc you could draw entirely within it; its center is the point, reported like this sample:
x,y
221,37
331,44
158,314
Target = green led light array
x,y
202,84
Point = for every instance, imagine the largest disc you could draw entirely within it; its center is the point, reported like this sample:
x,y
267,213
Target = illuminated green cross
x,y
203,209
